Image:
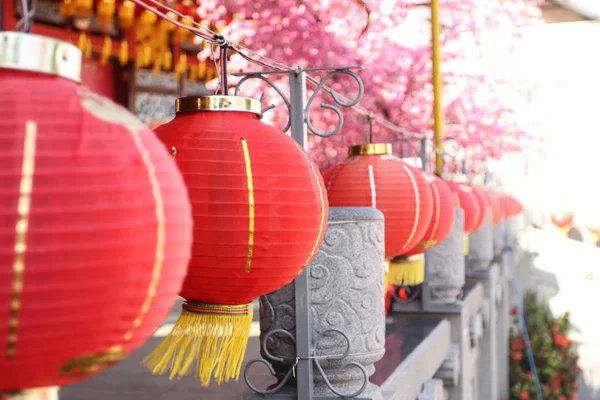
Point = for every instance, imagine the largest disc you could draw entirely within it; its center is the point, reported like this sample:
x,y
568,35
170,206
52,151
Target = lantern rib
x,y
322,200
160,233
418,204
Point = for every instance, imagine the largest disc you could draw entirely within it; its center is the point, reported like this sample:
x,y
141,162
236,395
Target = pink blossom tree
x,y
485,100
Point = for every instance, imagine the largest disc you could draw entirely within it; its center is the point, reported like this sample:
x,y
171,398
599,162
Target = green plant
x,y
554,354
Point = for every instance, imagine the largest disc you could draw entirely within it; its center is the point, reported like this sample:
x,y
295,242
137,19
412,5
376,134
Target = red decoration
x,y
512,206
260,212
468,202
443,215
497,208
484,203
95,228
564,220
372,177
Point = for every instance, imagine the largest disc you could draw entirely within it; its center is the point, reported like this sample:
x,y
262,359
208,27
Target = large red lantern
x,y
468,202
373,177
95,221
260,211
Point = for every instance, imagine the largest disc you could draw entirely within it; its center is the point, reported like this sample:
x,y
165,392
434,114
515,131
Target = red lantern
x,y
442,220
468,202
95,230
483,202
439,228
373,177
260,211
563,220
497,209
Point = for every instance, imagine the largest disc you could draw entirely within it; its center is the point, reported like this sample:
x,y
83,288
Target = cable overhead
x,y
214,38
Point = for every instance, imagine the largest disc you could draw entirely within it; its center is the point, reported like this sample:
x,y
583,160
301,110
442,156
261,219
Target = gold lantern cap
x,y
217,103
370,149
35,53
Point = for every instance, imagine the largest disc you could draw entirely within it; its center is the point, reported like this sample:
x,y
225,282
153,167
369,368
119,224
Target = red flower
x,y
514,311
517,356
560,340
529,374
573,395
562,398
517,345
524,395
556,383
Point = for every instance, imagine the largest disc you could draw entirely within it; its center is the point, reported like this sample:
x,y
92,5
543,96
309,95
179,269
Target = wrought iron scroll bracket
x,y
294,362
320,85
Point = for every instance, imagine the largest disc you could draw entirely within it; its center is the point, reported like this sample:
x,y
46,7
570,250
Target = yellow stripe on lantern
x,y
373,189
21,227
159,256
322,201
418,207
250,204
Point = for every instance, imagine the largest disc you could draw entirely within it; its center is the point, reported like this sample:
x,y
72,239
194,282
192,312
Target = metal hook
x,y
223,44
370,119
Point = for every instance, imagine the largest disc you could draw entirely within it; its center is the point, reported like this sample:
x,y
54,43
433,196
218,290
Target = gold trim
x,y
250,204
373,188
28,52
88,363
217,103
370,149
21,228
43,393
322,226
466,245
160,232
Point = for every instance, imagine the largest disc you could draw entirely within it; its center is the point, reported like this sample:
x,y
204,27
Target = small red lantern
x,y
468,202
260,212
497,208
440,226
484,203
95,232
373,177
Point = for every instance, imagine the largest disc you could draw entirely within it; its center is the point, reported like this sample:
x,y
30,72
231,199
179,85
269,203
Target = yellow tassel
x,y
407,270
210,338
466,245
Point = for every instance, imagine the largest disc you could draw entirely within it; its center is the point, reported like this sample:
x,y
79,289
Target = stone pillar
x,y
445,263
481,245
347,294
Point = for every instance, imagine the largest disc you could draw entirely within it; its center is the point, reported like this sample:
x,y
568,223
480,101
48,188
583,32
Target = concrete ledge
x,y
406,382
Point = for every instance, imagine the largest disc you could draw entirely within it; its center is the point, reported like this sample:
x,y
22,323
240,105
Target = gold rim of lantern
x,y
45,393
35,53
370,149
217,103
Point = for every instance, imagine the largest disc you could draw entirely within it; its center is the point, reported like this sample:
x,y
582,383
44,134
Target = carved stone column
x,y
445,263
346,295
481,245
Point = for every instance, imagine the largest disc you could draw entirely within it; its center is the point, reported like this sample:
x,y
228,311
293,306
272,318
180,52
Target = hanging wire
x,y
266,62
212,52
370,119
